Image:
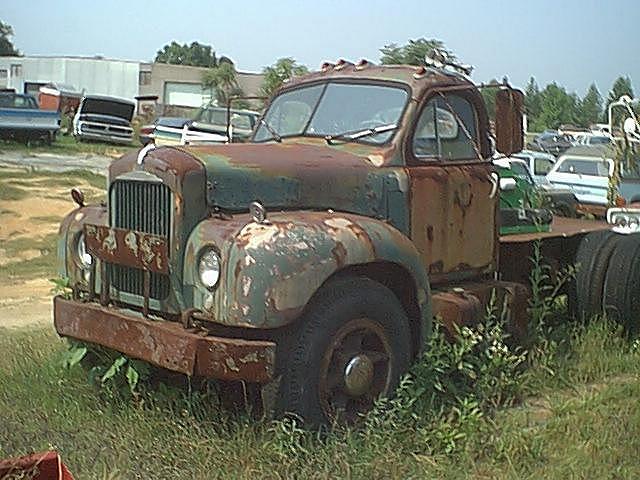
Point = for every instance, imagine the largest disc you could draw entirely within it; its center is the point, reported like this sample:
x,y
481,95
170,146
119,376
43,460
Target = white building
x,y
97,76
173,84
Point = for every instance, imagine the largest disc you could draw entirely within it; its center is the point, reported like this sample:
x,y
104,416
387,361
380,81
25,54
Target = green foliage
x,y
223,82
278,73
591,107
61,287
581,423
196,54
554,106
533,100
557,107
6,45
106,368
621,86
412,53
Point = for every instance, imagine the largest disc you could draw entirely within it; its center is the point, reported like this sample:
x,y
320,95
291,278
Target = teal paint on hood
x,y
293,176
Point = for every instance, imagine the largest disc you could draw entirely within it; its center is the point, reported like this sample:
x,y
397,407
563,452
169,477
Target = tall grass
x,y
448,419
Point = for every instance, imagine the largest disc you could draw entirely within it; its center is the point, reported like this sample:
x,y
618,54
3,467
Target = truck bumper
x,y
166,344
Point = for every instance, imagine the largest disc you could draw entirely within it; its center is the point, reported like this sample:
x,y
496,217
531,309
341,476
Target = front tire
x,y
353,345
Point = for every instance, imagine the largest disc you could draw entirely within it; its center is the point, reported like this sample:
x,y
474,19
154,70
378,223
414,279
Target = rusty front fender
x,y
271,270
70,229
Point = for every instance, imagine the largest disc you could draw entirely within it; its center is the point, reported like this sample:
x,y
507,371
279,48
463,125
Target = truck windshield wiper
x,y
276,135
368,132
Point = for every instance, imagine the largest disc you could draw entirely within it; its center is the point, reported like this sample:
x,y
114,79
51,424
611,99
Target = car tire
x,y
592,263
352,346
622,285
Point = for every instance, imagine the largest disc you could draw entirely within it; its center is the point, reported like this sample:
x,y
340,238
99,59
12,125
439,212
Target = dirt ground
x,y
32,204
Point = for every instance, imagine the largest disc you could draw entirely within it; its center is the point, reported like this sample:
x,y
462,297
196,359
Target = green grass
x,y
582,421
68,145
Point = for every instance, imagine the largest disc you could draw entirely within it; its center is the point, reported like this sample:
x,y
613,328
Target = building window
x,y
3,74
16,70
144,78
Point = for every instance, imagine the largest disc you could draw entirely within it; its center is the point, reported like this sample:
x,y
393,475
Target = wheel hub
x,y
358,375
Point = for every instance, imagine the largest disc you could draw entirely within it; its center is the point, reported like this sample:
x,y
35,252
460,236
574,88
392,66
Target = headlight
x,y
624,220
84,258
621,221
209,268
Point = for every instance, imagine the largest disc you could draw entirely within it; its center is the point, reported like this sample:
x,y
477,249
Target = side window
x,y
447,129
542,166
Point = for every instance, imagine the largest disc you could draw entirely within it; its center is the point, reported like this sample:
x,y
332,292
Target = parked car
x,y
561,201
22,120
105,119
587,170
208,126
551,142
591,140
148,133
538,163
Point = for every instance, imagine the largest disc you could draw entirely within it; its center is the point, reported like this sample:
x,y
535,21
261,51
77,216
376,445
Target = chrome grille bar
x,y
145,207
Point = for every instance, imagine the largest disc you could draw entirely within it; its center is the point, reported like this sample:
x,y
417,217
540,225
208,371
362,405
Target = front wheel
x,y
353,345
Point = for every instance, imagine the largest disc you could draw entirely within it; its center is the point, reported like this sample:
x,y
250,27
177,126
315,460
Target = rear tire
x,y
353,345
592,262
622,285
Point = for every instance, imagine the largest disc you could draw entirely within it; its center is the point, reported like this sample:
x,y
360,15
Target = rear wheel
x,y
592,262
353,346
622,285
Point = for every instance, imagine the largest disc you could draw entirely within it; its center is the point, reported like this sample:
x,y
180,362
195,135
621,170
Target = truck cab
x,y
312,260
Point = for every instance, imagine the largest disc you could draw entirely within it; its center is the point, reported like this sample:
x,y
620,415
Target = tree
x,y
557,107
222,80
6,45
622,86
532,101
278,73
413,53
590,107
196,55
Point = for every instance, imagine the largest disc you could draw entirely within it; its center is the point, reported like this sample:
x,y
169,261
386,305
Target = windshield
x,y
218,116
521,170
335,109
595,167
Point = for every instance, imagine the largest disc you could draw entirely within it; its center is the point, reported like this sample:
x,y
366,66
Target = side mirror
x,y
509,113
507,184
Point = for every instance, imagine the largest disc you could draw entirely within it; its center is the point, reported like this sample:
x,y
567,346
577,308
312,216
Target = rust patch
x,y
166,344
128,247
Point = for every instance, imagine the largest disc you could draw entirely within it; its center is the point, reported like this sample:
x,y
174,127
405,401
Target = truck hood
x,y
108,107
294,176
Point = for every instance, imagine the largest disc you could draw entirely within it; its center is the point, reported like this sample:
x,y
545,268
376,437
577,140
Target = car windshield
x,y
595,167
335,110
521,170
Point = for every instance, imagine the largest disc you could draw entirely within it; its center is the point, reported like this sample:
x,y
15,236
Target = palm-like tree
x,y
223,80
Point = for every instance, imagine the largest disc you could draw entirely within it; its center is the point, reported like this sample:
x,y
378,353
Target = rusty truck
x,y
311,262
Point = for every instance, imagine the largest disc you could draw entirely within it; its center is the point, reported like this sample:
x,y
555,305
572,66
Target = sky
x,y
571,42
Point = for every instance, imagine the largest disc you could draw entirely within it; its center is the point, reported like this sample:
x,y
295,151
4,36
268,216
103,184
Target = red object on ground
x,y
38,466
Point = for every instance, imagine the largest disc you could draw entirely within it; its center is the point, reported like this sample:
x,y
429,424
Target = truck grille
x,y
145,207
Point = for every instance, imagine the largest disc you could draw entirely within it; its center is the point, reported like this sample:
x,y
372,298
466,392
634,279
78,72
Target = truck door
x,y
453,197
